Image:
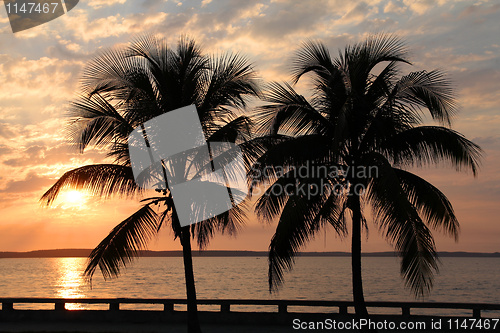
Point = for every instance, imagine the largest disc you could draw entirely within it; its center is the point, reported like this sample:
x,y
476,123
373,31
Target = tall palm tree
x,y
349,147
121,89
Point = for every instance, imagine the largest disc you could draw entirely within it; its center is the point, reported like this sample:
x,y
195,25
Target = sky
x,y
40,69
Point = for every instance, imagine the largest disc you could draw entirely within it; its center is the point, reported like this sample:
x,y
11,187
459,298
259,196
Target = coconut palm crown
x,y
121,89
364,121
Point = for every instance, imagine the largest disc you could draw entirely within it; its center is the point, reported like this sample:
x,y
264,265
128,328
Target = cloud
x,y
25,79
359,13
46,153
5,131
204,3
152,4
490,141
37,154
285,21
87,29
4,150
31,183
394,7
477,91
96,4
479,11
420,6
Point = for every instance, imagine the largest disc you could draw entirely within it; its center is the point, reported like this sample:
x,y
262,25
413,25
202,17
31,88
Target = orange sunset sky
x,y
40,67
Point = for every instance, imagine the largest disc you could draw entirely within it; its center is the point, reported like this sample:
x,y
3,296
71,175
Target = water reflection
x,y
70,283
243,277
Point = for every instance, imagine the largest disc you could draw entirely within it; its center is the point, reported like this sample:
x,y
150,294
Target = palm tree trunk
x,y
192,307
357,282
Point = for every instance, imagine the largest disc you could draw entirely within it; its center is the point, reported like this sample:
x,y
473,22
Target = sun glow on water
x,y
70,283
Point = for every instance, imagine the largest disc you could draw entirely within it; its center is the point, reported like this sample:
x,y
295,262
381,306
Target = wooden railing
x,y
225,304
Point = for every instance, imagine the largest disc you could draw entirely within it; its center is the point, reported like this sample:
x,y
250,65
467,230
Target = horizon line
x,y
82,252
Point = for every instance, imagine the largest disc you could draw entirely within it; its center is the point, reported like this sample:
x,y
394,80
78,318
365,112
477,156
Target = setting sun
x,y
73,198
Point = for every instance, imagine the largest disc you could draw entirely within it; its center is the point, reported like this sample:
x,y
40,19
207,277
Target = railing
x,y
225,304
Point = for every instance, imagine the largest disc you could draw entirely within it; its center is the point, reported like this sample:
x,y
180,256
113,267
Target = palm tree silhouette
x,y
121,89
365,124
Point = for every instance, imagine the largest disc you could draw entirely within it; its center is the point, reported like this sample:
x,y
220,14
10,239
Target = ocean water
x,y
471,280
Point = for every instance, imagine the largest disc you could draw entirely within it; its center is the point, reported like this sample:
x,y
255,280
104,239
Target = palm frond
x,y
123,243
100,179
119,153
254,148
96,122
361,58
270,204
174,75
403,227
227,84
381,86
430,202
229,222
303,151
433,144
314,57
431,90
117,76
298,224
332,211
238,128
289,113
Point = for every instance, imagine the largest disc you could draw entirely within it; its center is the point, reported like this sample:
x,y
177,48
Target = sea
x,y
466,280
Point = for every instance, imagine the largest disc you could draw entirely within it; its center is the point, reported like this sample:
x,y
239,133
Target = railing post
x,y
60,306
114,306
168,307
225,307
343,309
476,313
7,306
282,308
405,310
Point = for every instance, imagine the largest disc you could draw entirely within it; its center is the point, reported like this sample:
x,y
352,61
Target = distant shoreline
x,y
77,253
